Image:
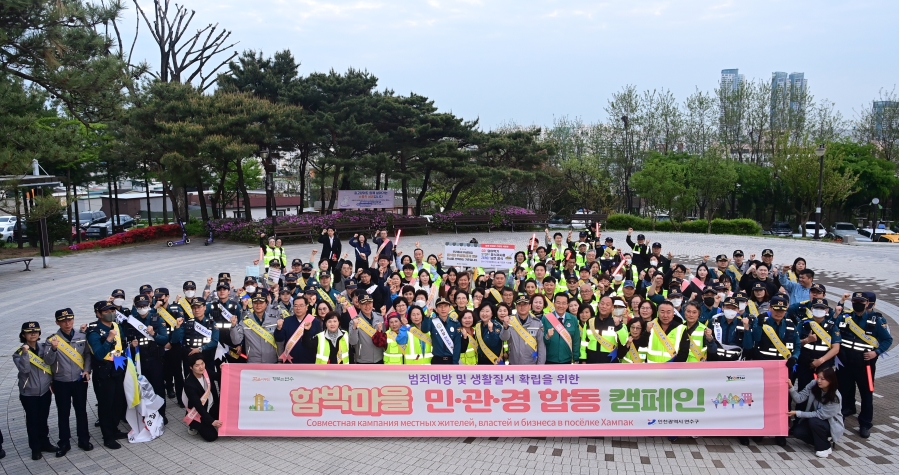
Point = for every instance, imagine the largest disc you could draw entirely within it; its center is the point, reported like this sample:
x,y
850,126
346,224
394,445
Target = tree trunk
x,y
304,159
322,192
334,190
243,191
165,200
72,225
222,195
77,214
204,213
454,194
421,196
117,221
147,190
19,203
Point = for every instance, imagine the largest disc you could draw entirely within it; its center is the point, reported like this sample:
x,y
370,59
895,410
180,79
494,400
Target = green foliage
x,y
740,227
195,227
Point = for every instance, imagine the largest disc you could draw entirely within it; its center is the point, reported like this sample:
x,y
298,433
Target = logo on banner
x,y
733,400
650,422
731,379
260,403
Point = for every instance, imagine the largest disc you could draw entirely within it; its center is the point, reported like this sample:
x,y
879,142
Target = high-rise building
x,y
731,79
882,112
788,94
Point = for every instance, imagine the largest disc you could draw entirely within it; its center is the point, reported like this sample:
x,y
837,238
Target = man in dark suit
x,y
331,248
201,398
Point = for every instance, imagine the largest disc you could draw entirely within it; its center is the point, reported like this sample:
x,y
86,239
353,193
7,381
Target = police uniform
x,y
173,374
255,333
861,331
108,373
198,334
151,346
446,340
222,321
827,335
35,377
520,350
730,334
71,360
488,337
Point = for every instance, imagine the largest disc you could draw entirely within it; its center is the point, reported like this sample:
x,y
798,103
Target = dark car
x,y
781,228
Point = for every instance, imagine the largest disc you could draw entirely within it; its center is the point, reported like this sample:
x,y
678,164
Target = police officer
x,y
198,334
108,371
525,335
820,341
221,309
118,300
777,338
732,332
864,336
173,375
799,311
35,376
147,332
70,359
254,332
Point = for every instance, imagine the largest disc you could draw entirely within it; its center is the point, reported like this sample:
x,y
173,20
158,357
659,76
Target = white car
x,y
811,230
4,220
6,232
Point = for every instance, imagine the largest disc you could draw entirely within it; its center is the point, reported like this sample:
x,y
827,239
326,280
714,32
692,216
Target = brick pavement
x,y
77,281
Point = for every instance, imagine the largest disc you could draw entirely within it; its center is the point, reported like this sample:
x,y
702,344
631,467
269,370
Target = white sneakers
x,y
823,453
194,432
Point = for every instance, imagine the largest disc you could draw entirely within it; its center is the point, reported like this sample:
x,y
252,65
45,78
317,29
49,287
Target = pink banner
x,y
704,399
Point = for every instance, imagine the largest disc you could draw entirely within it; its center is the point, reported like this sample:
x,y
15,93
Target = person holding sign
x,y
201,400
254,331
525,335
71,363
35,376
561,333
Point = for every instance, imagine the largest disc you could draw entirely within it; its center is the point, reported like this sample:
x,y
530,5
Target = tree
x,y
699,122
877,178
878,125
798,169
662,185
710,177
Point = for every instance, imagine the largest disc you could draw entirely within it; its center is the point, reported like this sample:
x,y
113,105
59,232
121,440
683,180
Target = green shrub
x,y
625,221
740,227
195,227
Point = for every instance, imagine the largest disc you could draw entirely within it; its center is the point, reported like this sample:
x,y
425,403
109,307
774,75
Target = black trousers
x,y
804,372
853,375
71,394
815,431
152,369
37,410
173,375
207,431
442,360
110,404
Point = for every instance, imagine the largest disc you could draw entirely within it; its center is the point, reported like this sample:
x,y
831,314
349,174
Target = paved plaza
x,y
79,280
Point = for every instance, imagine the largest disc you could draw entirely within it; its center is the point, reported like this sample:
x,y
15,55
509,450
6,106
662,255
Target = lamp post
x,y
264,154
627,162
820,152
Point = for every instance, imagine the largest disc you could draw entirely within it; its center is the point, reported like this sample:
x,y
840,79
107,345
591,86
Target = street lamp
x,y
820,152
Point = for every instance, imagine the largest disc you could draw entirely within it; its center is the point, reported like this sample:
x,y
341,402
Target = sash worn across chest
x,y
855,328
661,336
442,332
522,332
484,348
265,335
69,351
558,326
779,345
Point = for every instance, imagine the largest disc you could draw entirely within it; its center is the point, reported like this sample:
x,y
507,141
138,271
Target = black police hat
x,y
740,296
118,293
571,279
249,280
675,282
290,277
145,288
307,267
367,298
98,306
583,234
105,306
198,302
640,237
860,297
285,291
818,303
224,276
817,288
141,300
657,245
189,285
31,327
731,301
768,252
609,239
778,303
223,285
709,290
442,301
351,284
64,314
738,253
258,296
718,286
324,275
675,293
275,263
522,299
296,262
160,292
759,286
311,289
721,257
870,296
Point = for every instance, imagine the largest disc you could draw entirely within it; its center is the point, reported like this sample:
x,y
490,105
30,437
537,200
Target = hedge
x,y
249,231
740,227
131,236
500,217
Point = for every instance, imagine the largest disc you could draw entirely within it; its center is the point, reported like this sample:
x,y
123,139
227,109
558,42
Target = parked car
x,y
865,234
780,228
99,230
8,220
6,232
888,237
842,229
580,223
559,222
810,230
125,220
87,218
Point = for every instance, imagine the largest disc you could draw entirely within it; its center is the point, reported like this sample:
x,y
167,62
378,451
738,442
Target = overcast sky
x,y
531,61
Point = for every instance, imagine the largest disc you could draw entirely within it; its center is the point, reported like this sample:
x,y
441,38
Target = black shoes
x,y
86,446
36,455
781,441
48,447
864,432
745,441
121,435
112,444
62,450
170,394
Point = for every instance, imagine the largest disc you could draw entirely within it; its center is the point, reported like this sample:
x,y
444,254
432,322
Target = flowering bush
x,y
249,231
500,217
132,236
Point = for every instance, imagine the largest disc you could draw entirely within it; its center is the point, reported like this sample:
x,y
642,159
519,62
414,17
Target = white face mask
x,y
189,293
654,263
618,311
627,261
729,313
143,311
618,278
118,302
819,312
742,305
250,289
676,302
721,295
420,303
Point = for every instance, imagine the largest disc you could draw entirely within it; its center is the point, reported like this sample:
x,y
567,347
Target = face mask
x,y
618,311
721,295
709,301
729,313
420,303
109,316
189,293
627,261
819,312
676,302
654,263
143,311
742,305
118,302
250,289
859,306
291,286
618,278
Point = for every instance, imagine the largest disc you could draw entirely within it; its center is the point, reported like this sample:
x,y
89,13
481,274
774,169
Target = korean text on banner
x,y
488,256
365,199
712,399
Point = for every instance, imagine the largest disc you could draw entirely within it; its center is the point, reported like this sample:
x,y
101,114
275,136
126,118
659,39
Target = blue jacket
x,y
733,332
299,354
796,292
870,322
438,348
792,339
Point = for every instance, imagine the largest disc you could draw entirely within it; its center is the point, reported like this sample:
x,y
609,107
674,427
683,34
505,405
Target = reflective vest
x,y
582,355
323,349
393,353
470,355
656,351
697,336
269,255
642,354
607,334
417,351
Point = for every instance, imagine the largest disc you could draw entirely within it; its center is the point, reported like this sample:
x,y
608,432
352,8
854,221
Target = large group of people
x,y
564,301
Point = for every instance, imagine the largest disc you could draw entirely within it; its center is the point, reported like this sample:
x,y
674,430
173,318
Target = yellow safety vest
x,y
658,351
323,350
